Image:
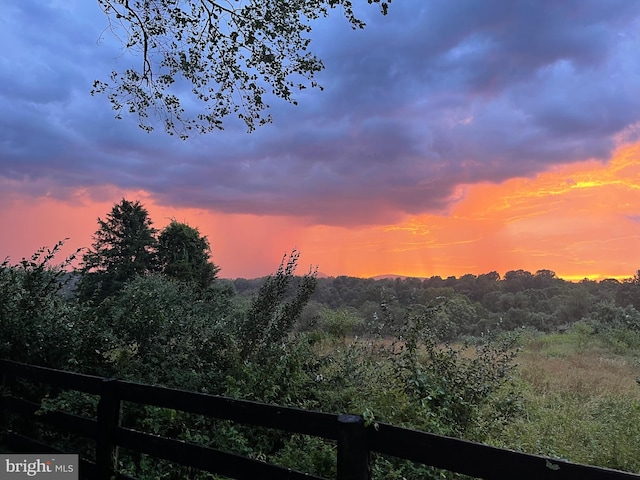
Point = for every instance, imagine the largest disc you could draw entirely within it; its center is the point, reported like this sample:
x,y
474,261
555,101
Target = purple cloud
x,y
435,94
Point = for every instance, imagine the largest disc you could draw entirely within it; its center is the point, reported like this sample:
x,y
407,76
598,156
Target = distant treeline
x,y
472,305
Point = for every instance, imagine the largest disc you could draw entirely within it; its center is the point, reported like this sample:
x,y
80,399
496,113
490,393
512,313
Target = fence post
x,y
353,453
108,420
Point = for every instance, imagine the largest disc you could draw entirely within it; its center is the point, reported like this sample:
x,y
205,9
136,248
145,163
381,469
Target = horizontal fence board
x,y
67,421
482,461
18,405
74,381
204,458
243,411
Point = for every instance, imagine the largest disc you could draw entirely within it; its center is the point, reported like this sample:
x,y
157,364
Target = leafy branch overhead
x,y
225,57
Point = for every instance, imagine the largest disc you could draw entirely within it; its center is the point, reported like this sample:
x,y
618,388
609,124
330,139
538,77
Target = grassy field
x,y
581,400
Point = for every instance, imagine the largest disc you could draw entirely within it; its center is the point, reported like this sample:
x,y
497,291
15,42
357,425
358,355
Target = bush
x,y
167,332
38,324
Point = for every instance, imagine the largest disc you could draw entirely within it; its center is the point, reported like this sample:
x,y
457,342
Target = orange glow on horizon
x,y
580,220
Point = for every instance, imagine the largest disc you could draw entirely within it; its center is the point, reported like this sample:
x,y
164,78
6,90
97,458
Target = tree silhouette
x,y
226,57
184,254
123,247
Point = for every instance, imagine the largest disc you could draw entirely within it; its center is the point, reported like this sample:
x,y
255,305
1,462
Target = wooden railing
x,y
354,440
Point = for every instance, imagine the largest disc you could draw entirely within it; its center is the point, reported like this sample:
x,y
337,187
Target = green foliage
x,y
475,305
124,246
37,324
318,455
340,323
453,316
280,375
452,384
275,309
628,292
230,56
167,332
184,254
618,327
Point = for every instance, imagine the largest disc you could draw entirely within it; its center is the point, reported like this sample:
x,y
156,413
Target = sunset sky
x,y
451,137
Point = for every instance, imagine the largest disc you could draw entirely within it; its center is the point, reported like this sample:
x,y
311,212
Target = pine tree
x,y
123,247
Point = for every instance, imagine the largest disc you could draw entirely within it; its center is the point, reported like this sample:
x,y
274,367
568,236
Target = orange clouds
x,y
580,220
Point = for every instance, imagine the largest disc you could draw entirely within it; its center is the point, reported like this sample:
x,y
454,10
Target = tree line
x,y
471,305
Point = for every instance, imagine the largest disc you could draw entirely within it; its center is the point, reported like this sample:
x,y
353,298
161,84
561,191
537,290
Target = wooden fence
x,y
354,440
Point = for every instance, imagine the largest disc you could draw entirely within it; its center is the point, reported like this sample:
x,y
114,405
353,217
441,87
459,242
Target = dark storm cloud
x,y
434,95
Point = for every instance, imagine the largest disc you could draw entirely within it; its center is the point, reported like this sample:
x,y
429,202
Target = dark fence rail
x,y
355,441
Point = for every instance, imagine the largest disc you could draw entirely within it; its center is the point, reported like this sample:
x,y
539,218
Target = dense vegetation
x,y
472,306
434,354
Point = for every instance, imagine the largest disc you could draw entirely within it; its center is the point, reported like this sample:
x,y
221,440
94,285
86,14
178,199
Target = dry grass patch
x,y
591,373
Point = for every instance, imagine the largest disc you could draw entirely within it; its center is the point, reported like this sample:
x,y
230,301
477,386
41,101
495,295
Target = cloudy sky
x,y
451,138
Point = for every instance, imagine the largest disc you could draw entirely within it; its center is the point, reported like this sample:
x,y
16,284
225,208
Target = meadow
x,y
580,399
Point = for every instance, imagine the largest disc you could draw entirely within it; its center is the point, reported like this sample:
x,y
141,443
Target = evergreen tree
x,y
184,254
124,247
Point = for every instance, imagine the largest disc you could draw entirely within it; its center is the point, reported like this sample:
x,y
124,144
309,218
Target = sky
x,y
450,138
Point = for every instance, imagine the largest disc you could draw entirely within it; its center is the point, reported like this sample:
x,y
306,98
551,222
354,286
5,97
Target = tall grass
x,y
581,401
